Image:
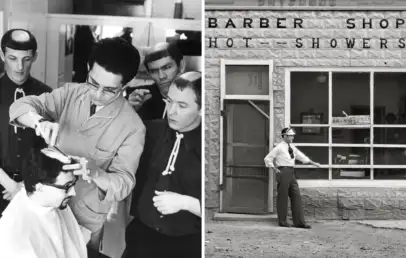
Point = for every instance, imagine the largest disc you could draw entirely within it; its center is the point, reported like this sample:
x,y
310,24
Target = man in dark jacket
x,y
163,63
18,52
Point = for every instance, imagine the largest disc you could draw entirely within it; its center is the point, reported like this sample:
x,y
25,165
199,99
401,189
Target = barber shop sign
x,y
339,33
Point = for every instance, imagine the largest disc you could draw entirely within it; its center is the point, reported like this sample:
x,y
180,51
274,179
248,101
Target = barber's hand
x,y
48,130
11,190
168,202
138,97
86,169
277,171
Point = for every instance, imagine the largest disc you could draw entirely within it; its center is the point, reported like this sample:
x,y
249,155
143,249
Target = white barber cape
x,y
28,230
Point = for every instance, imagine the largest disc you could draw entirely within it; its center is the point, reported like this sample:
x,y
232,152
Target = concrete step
x,y
244,217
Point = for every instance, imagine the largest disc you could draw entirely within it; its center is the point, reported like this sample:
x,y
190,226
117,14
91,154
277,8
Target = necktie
x,y
92,109
290,150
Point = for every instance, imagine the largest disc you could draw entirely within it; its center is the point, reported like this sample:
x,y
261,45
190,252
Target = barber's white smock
x,y
280,157
28,230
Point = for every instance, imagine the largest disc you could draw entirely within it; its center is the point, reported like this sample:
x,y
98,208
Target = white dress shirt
x,y
28,230
280,157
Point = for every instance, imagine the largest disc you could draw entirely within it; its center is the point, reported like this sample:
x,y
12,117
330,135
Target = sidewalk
x,y
325,239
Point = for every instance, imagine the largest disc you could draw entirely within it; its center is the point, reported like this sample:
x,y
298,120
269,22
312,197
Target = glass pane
x,y
351,156
305,107
390,135
311,134
351,135
247,79
317,154
390,98
390,174
389,156
351,96
311,173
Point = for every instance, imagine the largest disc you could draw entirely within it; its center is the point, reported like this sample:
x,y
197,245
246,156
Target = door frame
x,y
224,96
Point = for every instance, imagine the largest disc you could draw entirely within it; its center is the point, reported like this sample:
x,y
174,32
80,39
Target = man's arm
x,y
192,205
119,184
269,159
28,110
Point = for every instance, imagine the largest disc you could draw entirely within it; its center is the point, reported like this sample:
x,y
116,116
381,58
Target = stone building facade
x,y
330,41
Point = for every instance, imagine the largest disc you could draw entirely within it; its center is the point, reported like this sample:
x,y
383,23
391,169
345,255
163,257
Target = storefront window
x,y
338,113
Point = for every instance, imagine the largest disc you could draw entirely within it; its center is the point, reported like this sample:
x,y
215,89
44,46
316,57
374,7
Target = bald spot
x,y
20,36
162,46
191,76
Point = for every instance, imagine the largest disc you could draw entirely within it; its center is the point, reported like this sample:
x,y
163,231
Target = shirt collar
x,y
192,139
10,82
108,111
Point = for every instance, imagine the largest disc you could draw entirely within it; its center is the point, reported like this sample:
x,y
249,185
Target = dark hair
x,y
116,56
39,168
171,50
8,41
196,85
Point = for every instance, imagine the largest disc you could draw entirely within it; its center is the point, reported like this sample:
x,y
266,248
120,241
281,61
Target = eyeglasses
x,y
67,187
105,90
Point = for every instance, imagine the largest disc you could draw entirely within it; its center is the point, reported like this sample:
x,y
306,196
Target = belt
x,y
285,167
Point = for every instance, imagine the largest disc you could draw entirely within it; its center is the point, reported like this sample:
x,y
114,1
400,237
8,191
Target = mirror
x,y
76,42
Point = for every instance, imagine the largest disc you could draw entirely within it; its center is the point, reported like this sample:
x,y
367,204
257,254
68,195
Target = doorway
x,y
246,143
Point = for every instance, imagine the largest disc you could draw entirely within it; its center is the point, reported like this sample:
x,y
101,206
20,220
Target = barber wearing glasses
x,y
95,122
282,160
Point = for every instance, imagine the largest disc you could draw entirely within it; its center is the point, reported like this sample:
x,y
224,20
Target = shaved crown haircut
x,y
192,80
19,39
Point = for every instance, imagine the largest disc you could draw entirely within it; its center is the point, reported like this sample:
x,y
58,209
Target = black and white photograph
x,y
101,134
305,128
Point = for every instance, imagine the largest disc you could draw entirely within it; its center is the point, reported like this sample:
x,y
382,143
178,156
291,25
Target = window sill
x,y
352,183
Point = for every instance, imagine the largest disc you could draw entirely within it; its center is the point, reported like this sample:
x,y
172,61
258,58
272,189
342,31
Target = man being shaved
x,y
18,52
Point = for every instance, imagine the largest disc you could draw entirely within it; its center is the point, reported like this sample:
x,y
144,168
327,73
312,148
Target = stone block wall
x,y
280,46
354,203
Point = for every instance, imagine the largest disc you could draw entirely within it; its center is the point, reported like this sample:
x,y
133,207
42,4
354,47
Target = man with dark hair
x,y
38,221
282,160
167,206
19,52
95,122
164,62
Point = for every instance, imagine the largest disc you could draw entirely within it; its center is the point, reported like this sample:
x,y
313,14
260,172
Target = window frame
x,y
330,126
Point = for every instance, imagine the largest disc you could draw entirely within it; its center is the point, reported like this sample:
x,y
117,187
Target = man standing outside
x,y
167,206
18,52
94,121
164,62
282,160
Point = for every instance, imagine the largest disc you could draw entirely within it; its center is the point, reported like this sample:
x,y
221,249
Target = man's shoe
x,y
307,226
284,225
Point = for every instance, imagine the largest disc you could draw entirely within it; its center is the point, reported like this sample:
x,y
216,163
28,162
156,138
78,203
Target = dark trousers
x,y
144,242
288,188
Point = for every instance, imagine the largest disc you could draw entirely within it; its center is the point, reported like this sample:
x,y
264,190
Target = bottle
x,y
178,9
